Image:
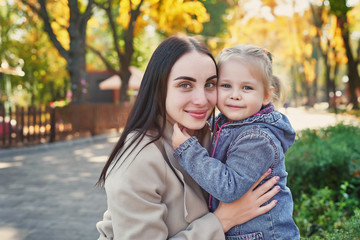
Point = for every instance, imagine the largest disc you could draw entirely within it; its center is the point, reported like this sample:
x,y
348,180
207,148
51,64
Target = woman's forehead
x,y
194,63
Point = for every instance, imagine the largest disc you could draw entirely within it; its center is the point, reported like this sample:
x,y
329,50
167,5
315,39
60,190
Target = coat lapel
x,y
195,203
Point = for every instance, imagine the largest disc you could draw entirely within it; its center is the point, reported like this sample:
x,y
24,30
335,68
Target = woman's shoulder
x,y
140,159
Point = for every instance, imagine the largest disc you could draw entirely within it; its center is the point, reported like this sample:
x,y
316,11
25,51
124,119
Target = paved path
x,y
302,118
47,192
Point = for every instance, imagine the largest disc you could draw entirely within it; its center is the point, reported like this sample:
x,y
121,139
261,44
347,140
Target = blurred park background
x,y
71,69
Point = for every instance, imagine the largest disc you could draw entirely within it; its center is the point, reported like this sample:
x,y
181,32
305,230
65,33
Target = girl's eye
x,y
225,85
247,88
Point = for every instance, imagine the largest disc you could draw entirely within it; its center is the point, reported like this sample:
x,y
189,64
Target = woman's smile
x,y
199,114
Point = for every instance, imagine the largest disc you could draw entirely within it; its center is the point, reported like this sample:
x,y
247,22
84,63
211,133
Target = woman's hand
x,y
179,136
249,205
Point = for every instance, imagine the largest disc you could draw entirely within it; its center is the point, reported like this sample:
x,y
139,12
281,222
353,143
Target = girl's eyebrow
x,y
194,80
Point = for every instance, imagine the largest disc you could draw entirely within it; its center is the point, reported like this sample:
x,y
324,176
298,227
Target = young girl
x,y
249,137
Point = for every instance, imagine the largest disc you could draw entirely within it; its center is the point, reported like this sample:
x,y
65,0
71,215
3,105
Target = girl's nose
x,y
235,96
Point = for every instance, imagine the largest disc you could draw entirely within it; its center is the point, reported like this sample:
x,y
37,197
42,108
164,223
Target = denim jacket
x,y
242,152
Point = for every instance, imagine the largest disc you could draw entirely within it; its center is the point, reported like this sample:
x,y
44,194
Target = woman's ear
x,y
268,96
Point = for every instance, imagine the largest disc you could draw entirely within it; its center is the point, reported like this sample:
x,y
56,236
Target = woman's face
x,y
191,92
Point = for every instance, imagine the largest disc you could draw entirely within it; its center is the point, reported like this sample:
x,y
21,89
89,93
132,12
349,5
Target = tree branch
x,y
84,18
32,7
358,54
98,53
129,33
42,12
108,10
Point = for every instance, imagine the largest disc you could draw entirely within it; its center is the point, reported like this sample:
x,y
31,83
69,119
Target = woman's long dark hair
x,y
150,102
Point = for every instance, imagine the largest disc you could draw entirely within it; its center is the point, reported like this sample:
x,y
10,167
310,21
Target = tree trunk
x,y
353,73
314,86
327,72
77,67
293,88
77,50
124,76
327,78
124,54
75,56
333,85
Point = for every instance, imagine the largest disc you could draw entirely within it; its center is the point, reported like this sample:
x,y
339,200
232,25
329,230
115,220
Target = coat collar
x,y
193,194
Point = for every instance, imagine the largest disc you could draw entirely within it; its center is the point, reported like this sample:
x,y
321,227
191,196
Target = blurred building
x,y
104,86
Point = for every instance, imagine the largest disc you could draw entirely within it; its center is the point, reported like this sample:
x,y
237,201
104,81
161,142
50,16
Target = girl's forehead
x,y
236,64
239,69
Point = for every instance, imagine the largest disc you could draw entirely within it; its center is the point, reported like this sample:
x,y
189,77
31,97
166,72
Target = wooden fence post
x,y
2,115
10,127
52,124
22,122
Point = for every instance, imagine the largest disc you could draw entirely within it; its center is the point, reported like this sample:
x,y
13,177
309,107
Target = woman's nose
x,y
199,98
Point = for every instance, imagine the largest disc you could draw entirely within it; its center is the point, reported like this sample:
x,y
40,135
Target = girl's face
x,y
240,93
191,92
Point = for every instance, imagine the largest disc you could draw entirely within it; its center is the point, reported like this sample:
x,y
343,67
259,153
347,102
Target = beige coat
x,y
146,200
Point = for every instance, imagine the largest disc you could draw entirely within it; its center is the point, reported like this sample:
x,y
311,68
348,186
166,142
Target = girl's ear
x,y
268,96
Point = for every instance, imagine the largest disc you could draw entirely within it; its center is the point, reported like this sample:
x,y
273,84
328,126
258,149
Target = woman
x,y
149,195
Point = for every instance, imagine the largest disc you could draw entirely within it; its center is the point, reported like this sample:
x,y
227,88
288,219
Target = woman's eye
x,y
185,85
226,85
210,84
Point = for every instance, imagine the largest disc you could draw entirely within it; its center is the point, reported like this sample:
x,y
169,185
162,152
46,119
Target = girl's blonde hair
x,y
259,61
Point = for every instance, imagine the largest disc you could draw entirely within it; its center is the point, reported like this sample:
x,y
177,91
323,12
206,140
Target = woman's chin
x,y
194,126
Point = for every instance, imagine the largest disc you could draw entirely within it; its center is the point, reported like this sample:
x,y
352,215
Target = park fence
x,y
37,125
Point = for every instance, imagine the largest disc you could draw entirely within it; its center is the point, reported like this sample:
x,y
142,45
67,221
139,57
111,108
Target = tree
x,y
329,44
8,28
75,23
127,18
285,34
45,78
215,30
37,75
318,21
10,63
340,9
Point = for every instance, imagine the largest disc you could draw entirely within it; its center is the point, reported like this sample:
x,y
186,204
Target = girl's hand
x,y
179,136
249,205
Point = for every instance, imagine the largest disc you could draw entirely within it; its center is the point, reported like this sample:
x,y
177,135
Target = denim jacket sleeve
x,y
248,157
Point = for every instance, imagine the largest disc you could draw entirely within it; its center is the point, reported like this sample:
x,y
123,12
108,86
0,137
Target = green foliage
x,y
23,45
339,7
217,24
8,28
349,231
324,167
320,211
325,157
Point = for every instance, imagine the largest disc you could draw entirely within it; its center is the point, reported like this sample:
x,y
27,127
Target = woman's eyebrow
x,y
211,78
185,78
194,80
